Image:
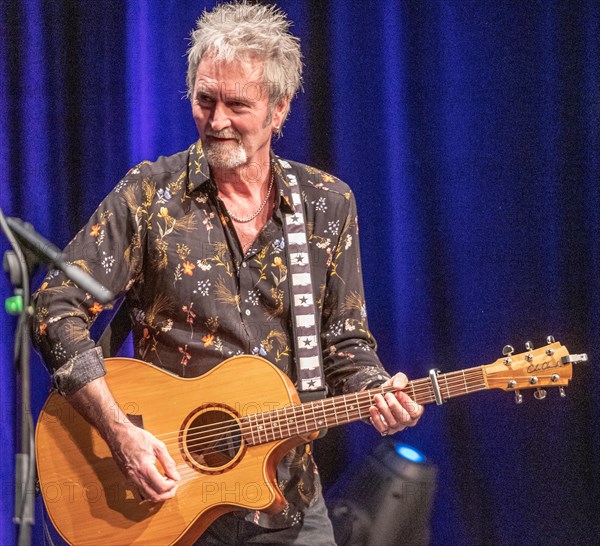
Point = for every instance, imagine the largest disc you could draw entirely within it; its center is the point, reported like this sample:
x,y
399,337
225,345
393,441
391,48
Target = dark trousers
x,y
230,530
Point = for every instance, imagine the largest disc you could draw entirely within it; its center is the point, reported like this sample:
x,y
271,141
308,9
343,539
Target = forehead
x,y
231,79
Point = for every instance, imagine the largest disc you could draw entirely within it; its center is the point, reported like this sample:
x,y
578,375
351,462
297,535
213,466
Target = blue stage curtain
x,y
470,134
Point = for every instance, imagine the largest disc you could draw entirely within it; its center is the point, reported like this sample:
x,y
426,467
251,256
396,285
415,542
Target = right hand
x,y
136,451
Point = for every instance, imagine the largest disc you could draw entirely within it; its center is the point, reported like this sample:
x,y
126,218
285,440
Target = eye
x,y
204,100
237,105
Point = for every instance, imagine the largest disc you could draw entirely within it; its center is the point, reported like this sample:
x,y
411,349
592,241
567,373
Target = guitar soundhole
x,y
213,439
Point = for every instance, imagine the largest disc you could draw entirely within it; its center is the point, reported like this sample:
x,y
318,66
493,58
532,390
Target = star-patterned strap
x,y
307,345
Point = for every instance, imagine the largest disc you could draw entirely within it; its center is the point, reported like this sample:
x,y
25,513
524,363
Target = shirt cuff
x,y
79,371
367,378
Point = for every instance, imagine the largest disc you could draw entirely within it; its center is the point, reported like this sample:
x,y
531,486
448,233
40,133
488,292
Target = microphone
x,y
46,252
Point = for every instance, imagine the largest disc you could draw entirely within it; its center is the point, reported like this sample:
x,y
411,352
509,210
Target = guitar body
x,y
90,501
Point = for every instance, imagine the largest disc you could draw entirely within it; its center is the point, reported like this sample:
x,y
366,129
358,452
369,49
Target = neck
x,y
330,412
245,180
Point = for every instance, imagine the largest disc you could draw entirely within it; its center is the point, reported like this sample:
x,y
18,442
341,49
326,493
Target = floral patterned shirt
x,y
163,238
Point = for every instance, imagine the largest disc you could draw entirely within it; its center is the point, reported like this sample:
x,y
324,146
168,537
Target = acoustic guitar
x,y
226,431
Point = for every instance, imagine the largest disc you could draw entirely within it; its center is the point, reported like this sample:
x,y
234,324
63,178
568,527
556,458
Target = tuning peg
x,y
540,394
507,351
518,397
529,347
562,392
550,339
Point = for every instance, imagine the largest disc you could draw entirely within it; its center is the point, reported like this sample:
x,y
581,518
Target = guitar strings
x,y
234,430
355,415
319,411
267,418
188,473
273,430
335,404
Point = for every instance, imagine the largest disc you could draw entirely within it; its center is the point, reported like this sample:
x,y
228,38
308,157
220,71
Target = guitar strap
x,y
303,311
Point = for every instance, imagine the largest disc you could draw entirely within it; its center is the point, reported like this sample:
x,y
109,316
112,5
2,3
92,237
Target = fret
x,y
279,423
287,421
358,405
334,408
272,415
263,427
428,395
372,396
445,378
412,387
322,423
272,423
351,407
431,395
251,428
346,408
465,381
266,419
303,410
383,390
258,427
312,406
294,420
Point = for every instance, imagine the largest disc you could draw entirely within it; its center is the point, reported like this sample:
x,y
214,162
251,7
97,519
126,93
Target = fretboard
x,y
310,417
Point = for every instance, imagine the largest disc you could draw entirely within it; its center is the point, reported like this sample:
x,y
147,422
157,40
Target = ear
x,y
280,112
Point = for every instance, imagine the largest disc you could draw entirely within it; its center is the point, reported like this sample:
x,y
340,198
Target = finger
x,y
401,415
377,421
382,405
406,411
167,462
155,487
400,380
414,410
151,496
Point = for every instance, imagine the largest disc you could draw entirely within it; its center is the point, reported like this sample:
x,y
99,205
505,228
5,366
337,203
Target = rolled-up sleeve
x,y
109,248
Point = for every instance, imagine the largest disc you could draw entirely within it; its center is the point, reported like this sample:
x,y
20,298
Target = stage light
x,y
409,453
387,502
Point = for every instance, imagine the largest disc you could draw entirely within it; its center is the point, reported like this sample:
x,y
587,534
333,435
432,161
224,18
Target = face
x,y
232,113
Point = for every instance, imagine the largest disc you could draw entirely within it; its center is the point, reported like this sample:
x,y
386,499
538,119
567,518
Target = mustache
x,y
224,133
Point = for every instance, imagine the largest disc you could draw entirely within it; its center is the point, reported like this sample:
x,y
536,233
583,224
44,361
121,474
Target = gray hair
x,y
234,32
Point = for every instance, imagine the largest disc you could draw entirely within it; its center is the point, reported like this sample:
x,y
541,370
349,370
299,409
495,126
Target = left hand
x,y
394,411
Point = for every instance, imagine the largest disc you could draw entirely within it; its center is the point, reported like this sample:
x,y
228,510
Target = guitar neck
x,y
311,417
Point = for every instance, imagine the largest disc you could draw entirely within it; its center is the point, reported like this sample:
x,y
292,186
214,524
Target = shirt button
x,y
248,312
244,264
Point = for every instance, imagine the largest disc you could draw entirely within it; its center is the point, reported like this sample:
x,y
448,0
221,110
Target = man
x,y
196,242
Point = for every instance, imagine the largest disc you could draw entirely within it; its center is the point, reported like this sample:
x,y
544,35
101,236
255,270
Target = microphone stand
x,y
19,263
16,265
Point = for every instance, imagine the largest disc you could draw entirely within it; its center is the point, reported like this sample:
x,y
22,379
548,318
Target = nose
x,y
219,119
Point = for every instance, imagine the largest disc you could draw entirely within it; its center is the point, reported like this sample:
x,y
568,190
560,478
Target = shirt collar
x,y
286,204
198,169
199,175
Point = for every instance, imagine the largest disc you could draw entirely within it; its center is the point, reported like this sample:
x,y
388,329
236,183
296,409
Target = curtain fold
x,y
470,134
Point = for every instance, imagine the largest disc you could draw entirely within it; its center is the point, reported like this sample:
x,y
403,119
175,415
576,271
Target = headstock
x,y
548,366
